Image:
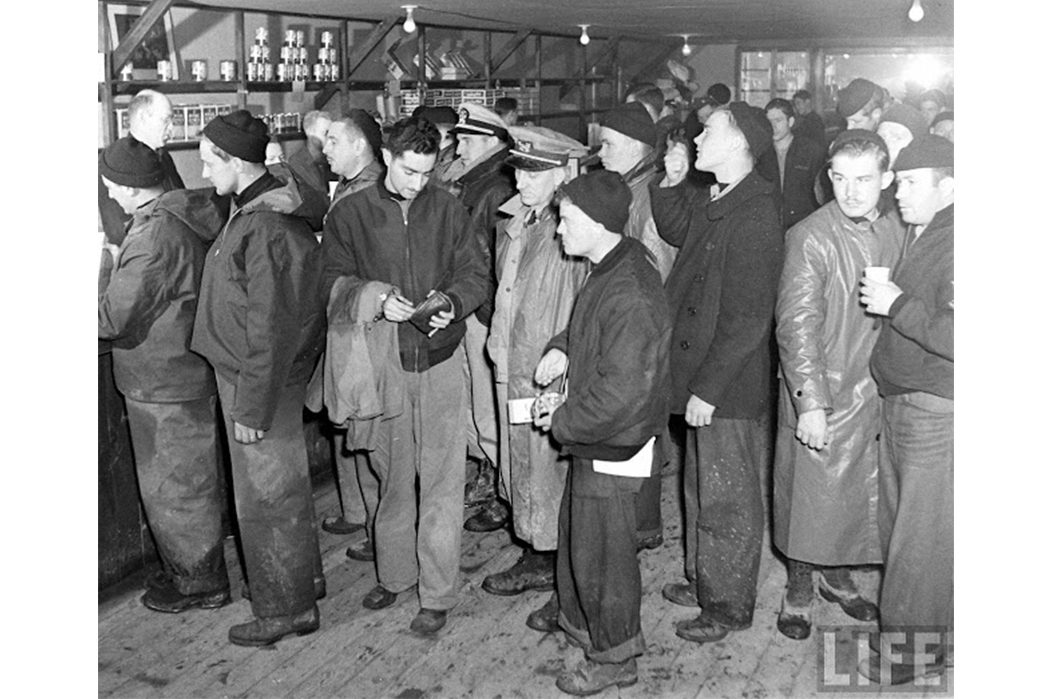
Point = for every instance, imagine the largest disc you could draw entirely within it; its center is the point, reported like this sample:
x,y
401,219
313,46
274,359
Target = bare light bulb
x,y
585,39
686,48
916,13
409,26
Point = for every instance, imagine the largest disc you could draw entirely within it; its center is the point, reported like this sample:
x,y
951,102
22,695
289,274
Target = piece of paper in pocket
x,y
638,466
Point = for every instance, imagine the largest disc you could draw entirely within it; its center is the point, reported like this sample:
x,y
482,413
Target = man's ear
x,y
887,179
386,155
946,186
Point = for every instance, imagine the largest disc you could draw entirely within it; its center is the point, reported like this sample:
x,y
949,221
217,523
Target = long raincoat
x,y
826,502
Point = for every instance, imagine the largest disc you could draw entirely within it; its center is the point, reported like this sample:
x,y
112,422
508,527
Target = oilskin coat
x,y
149,304
536,286
261,318
826,502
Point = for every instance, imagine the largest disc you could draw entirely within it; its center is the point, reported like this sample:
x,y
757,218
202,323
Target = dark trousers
x,y
274,506
647,502
916,511
724,517
175,453
597,570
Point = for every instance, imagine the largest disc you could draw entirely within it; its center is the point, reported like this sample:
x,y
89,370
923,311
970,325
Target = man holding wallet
x,y
616,345
420,240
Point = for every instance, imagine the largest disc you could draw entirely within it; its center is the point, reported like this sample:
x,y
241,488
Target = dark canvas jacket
x,y
617,344
804,161
261,317
721,292
484,188
114,220
915,350
433,245
149,305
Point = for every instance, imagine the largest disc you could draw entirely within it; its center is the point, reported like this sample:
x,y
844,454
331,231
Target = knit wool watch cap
x,y
440,116
632,120
719,94
131,163
853,97
603,196
369,126
240,135
928,151
753,123
906,115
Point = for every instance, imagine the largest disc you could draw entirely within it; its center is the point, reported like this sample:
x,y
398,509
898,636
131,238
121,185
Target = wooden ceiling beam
x,y
505,53
142,26
363,50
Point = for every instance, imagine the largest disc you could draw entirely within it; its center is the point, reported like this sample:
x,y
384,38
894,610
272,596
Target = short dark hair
x,y
856,145
649,95
503,105
802,95
415,134
783,105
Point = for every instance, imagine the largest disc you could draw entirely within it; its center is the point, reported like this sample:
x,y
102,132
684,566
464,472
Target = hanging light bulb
x,y
409,26
686,48
916,12
585,39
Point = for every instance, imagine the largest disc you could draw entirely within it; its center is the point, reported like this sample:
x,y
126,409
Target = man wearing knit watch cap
x,y
721,292
900,125
260,324
861,103
913,364
146,306
616,345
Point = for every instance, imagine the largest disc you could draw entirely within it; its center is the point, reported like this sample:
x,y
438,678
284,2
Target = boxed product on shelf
x,y
193,119
178,124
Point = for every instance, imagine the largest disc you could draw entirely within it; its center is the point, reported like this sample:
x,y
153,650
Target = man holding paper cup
x,y
616,346
825,474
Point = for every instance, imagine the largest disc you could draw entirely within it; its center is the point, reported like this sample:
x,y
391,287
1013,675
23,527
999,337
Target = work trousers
x,y
417,534
175,453
481,421
357,483
916,511
274,507
597,577
647,502
724,517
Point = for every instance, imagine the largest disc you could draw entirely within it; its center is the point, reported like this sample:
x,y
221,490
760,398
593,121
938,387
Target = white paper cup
x,y
877,274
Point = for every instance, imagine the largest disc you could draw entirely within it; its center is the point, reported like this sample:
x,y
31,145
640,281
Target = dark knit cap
x,y
853,97
942,116
753,123
632,120
906,115
240,135
603,196
369,126
440,116
928,151
719,94
131,163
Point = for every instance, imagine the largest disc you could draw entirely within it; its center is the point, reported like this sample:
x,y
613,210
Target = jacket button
x,y
798,393
684,344
692,311
709,246
878,437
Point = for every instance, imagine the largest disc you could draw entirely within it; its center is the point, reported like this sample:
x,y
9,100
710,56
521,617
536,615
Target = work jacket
x,y
148,307
826,501
617,345
641,225
417,246
721,292
261,316
802,165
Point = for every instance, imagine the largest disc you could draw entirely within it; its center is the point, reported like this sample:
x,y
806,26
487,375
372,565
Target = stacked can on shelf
x,y
283,123
293,57
327,67
259,65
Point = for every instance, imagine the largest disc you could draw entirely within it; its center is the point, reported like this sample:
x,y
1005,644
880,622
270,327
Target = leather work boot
x,y
546,618
340,525
265,632
162,595
836,585
795,619
428,621
589,677
320,586
362,551
535,570
492,516
683,594
483,487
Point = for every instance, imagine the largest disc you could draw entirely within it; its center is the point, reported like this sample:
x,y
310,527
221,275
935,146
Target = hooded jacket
x,y
148,307
429,244
261,317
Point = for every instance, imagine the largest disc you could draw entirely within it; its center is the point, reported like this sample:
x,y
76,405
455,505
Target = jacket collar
x,y
643,167
621,250
281,198
519,212
750,186
485,168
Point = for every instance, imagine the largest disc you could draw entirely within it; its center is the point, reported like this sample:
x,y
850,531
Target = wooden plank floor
x,y
485,650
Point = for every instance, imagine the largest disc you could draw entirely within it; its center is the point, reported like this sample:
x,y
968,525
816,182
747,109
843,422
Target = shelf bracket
x,y
657,60
607,51
324,95
137,34
515,42
376,35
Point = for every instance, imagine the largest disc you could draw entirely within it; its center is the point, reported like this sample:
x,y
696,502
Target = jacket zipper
x,y
410,269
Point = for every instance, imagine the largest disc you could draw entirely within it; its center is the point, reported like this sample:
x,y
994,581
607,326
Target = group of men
x,y
498,304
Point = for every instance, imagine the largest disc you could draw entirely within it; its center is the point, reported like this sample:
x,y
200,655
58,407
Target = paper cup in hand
x,y
877,274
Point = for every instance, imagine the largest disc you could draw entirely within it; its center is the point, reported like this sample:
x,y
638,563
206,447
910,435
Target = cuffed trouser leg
x,y
274,506
175,453
916,511
597,570
417,532
729,520
356,482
